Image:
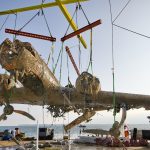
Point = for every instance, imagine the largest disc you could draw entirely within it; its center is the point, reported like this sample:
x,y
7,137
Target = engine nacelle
x,y
88,84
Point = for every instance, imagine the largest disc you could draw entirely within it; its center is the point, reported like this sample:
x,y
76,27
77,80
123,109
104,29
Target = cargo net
x,y
88,84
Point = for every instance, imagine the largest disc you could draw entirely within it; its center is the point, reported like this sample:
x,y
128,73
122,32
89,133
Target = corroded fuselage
x,y
22,60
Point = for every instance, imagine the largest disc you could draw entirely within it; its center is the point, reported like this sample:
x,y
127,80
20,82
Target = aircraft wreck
x,y
40,87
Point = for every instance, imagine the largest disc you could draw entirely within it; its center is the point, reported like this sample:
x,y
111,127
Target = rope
x,y
80,67
48,59
68,69
91,49
91,45
52,49
79,47
43,116
14,36
46,23
80,7
61,63
113,73
52,46
49,56
132,31
58,58
4,23
91,52
121,10
38,13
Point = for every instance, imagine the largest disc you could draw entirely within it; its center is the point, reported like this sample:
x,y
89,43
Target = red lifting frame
x,y
90,26
72,60
38,36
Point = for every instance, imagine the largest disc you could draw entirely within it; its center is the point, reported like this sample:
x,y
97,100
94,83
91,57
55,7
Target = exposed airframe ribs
x,y
77,32
38,36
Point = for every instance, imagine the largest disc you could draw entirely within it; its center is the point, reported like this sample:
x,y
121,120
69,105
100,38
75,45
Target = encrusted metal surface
x,y
22,60
23,63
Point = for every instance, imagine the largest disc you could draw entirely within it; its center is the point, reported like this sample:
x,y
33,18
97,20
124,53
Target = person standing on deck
x,y
126,133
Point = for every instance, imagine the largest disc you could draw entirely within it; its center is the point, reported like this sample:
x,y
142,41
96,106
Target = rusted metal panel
x,y
72,60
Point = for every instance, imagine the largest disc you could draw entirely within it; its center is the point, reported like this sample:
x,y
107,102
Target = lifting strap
x,y
52,46
37,14
79,46
4,23
51,54
58,58
113,73
81,8
16,16
61,61
91,53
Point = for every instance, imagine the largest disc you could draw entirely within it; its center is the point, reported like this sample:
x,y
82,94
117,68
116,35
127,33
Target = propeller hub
x,y
8,110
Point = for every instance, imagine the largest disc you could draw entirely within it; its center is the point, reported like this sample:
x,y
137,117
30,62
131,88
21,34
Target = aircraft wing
x,y
103,100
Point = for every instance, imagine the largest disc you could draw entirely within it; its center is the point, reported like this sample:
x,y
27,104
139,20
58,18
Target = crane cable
x,y
91,39
81,8
91,52
52,46
113,66
68,71
16,17
61,61
79,46
36,14
121,10
55,66
4,23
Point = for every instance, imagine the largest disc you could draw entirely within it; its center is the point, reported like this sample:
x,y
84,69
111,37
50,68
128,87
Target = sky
x,y
131,51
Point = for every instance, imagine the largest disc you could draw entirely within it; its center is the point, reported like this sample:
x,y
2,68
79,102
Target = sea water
x,y
30,131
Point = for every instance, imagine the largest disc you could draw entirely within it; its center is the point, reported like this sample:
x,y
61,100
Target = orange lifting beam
x,y
38,36
77,32
72,60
